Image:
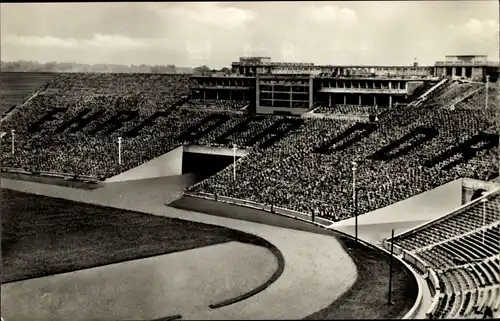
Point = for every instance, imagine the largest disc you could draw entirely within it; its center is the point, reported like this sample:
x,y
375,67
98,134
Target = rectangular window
x,y
266,95
284,96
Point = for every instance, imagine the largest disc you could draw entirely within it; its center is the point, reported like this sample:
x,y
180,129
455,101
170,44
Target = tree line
x,y
34,66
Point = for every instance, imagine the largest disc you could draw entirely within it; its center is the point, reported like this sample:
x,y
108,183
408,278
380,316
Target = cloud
x,y
378,32
474,26
212,14
476,30
332,14
97,41
473,36
37,41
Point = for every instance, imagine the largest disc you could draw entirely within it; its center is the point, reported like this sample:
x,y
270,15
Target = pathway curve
x,y
180,283
317,269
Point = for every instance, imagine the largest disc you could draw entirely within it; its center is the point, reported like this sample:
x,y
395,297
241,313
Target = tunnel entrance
x,y
477,194
202,166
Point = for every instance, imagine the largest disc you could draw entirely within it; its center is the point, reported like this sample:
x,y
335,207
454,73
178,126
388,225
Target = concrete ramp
x,y
425,206
169,164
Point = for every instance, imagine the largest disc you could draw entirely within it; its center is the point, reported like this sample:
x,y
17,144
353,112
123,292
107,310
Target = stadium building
x,y
294,88
346,151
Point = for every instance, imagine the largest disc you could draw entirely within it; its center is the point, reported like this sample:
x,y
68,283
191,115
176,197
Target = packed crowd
x,y
292,175
239,131
422,89
89,151
216,104
355,110
155,85
478,100
454,93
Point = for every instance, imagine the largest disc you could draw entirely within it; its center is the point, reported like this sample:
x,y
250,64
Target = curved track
x,y
179,283
317,267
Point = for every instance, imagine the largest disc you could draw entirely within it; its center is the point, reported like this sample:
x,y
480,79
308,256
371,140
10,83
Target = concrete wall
x,y
411,86
439,71
223,151
477,73
406,215
271,110
425,206
169,164
469,186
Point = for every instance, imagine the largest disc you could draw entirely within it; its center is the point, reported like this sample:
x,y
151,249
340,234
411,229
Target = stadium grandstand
x,y
324,143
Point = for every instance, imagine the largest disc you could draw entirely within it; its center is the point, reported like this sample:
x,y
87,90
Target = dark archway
x,y
477,194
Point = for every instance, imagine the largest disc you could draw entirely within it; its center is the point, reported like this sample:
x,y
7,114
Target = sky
x,y
215,34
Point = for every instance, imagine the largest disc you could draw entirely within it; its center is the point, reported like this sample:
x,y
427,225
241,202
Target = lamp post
x,y
13,133
484,201
234,162
119,150
355,199
389,299
487,88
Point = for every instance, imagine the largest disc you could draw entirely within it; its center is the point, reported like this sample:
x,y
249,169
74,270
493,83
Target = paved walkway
x,y
316,266
183,283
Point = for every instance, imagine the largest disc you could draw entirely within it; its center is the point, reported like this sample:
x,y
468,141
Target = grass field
x,y
43,236
15,86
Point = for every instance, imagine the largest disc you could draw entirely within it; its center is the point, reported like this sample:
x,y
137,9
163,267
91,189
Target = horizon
x,y
216,34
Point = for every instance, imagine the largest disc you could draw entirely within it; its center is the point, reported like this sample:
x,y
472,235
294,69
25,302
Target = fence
x,y
268,208
48,174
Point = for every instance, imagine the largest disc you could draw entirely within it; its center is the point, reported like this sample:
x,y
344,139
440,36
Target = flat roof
x,y
466,56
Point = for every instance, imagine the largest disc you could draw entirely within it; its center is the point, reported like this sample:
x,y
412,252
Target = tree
x,y
226,71
201,70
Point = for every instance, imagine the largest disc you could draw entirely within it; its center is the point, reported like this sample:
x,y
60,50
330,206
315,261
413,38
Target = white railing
x,y
363,90
461,98
436,86
461,63
23,103
364,118
451,239
213,109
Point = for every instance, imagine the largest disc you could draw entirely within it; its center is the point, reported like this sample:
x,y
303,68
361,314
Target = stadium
x,y
328,191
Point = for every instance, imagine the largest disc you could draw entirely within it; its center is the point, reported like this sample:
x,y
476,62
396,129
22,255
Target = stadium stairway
x,y
12,110
465,96
432,91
